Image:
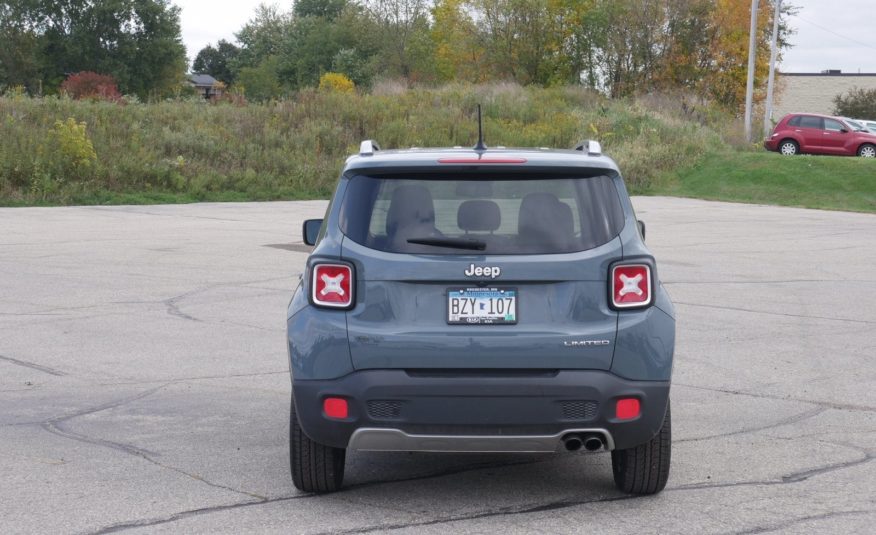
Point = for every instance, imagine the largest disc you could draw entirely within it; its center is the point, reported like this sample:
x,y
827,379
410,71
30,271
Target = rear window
x,y
495,215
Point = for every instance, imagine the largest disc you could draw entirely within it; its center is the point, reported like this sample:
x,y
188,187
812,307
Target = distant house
x,y
814,92
206,86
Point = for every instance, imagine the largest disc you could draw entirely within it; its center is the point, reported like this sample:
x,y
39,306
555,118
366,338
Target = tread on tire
x,y
644,469
315,467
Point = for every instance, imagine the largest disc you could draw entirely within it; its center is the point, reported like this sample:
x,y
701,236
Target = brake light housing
x,y
336,408
332,285
627,409
631,286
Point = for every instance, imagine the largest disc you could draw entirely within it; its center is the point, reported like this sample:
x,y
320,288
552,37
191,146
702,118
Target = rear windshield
x,y
495,215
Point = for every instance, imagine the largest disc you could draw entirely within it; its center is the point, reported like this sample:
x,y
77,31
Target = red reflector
x,y
332,285
631,285
335,408
627,409
481,160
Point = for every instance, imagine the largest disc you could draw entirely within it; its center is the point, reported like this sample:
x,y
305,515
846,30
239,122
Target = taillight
x,y
627,409
631,285
335,408
332,285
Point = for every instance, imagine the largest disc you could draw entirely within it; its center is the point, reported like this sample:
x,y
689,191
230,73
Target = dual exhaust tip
x,y
588,441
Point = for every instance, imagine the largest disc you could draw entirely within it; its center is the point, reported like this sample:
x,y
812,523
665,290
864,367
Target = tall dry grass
x,y
192,150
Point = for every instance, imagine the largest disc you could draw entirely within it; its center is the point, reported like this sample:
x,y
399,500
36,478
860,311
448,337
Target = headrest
x,y
410,206
478,216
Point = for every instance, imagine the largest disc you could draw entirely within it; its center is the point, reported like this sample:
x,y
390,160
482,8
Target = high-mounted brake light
x,y
332,285
631,285
475,161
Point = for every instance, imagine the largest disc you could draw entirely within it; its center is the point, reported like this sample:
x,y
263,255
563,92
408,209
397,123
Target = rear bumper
x,y
521,410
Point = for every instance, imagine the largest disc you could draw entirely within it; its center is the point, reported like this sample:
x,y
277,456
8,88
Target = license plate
x,y
481,306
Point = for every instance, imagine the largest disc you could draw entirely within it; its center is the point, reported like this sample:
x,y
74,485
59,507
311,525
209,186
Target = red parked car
x,y
809,133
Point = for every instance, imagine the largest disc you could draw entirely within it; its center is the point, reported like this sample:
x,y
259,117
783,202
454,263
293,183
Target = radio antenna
x,y
480,146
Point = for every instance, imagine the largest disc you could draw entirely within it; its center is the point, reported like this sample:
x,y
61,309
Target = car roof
x,y
492,158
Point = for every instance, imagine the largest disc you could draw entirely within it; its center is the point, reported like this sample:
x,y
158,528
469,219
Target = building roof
x,y
202,80
830,74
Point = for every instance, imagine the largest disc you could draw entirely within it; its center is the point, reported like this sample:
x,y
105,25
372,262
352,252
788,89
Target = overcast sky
x,y
831,34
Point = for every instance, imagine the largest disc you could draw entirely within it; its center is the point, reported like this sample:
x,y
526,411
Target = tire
x,y
315,467
867,151
789,147
644,469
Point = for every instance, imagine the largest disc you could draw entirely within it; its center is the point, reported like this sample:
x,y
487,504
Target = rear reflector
x,y
627,409
631,285
335,408
332,285
475,161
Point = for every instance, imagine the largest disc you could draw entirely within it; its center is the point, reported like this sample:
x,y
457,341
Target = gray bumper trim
x,y
384,439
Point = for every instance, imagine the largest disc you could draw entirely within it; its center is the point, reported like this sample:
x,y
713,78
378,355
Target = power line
x,y
828,30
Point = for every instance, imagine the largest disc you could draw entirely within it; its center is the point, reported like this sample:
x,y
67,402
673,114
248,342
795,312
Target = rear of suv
x,y
461,300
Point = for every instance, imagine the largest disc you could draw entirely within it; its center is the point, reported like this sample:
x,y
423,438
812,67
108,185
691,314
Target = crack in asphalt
x,y
796,418
785,524
565,504
33,366
133,524
792,478
175,380
172,304
209,510
826,404
55,426
782,314
503,511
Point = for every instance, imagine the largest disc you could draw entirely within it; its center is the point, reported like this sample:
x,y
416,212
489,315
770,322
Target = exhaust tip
x,y
572,442
592,443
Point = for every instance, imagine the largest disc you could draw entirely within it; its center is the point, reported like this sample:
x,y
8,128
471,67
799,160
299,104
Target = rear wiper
x,y
456,243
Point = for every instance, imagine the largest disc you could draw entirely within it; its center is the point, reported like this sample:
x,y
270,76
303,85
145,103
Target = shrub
x,y
88,85
69,140
335,81
857,103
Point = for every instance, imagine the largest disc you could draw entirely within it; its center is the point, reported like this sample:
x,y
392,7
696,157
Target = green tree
x,y
400,29
217,61
262,36
858,102
317,43
138,42
457,55
260,82
20,60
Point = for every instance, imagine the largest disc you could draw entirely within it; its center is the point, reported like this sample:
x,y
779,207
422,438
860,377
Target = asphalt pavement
x,y
144,384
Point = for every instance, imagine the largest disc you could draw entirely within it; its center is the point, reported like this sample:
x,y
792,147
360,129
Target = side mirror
x,y
641,228
310,231
844,131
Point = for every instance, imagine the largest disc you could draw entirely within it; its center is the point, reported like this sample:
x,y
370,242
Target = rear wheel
x,y
789,147
644,469
315,467
867,151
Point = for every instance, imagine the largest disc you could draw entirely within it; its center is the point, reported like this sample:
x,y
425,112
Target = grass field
x,y
828,182
56,151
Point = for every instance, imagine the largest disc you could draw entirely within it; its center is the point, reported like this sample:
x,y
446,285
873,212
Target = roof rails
x,y
592,147
368,148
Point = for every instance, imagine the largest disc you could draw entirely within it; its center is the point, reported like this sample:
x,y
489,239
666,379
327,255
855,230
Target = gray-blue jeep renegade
x,y
480,300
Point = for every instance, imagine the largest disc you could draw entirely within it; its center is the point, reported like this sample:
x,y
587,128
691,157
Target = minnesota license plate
x,y
481,306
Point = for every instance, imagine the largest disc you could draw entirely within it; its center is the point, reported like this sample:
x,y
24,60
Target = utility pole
x,y
768,114
752,50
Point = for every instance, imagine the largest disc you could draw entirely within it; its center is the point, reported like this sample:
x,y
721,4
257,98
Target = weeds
x,y
293,149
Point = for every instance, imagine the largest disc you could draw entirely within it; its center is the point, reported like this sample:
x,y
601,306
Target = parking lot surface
x,y
144,384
